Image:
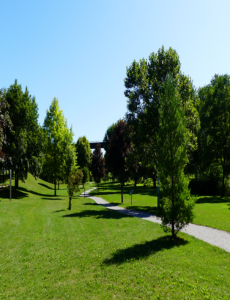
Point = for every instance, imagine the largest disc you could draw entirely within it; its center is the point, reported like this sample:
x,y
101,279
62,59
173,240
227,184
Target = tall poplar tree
x,y
60,141
172,144
83,152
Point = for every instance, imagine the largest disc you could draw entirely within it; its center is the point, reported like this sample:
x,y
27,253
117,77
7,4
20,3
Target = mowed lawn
x,y
212,211
48,252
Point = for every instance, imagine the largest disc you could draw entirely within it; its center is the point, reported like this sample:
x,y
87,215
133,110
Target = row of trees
x,y
48,150
172,131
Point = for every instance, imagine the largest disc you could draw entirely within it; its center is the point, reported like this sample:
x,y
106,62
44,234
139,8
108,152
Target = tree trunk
x,y
122,191
70,203
16,179
58,183
3,175
55,187
98,189
135,182
154,180
223,186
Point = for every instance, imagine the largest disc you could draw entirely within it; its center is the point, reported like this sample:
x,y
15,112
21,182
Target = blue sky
x,y
78,51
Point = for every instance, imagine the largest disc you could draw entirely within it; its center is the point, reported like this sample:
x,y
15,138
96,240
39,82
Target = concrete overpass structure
x,y
93,145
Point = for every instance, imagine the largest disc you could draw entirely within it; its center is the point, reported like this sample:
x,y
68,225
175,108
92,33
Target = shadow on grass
x,y
46,186
147,209
213,199
5,194
52,199
101,214
56,211
150,191
38,194
140,251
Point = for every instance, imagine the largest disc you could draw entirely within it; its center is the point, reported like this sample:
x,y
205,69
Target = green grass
x,y
48,252
209,211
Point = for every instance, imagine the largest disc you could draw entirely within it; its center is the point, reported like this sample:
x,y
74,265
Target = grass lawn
x,y
211,211
48,252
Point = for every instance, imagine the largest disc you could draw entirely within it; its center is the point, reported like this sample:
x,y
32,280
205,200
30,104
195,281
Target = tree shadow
x,y
5,194
147,209
45,185
100,214
91,204
36,193
52,199
140,251
56,211
212,199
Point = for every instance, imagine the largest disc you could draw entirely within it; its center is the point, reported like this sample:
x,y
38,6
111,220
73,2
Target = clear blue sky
x,y
78,50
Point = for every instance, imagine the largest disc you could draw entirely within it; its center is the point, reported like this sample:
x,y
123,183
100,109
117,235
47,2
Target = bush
x,y
148,182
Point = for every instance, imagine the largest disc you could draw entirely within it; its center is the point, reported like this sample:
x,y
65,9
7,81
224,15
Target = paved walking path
x,y
210,235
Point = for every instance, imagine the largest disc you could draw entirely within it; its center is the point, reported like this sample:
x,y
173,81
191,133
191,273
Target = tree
x,y
86,174
215,123
26,140
98,165
83,152
144,82
74,180
5,123
60,148
119,144
172,144
108,135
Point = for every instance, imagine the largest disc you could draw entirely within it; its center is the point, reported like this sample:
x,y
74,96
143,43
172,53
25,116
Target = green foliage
x,y
215,124
25,142
86,174
119,145
98,164
144,82
74,180
83,152
172,142
5,122
59,154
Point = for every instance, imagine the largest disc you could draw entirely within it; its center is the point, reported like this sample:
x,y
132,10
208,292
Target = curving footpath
x,y
210,235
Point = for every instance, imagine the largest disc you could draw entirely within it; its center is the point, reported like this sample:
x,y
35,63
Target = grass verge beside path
x,y
90,252
211,211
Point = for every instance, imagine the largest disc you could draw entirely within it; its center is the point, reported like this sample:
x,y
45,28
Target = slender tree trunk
x,y
3,174
223,186
69,203
16,179
98,189
55,187
122,191
58,183
154,180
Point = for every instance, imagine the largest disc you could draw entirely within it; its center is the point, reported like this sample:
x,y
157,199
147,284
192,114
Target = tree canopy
x,y
59,154
172,144
83,152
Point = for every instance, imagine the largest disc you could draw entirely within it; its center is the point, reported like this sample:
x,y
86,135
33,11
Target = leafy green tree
x,y
86,175
98,165
83,152
5,123
74,180
25,142
108,135
119,145
215,123
60,148
144,82
172,144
